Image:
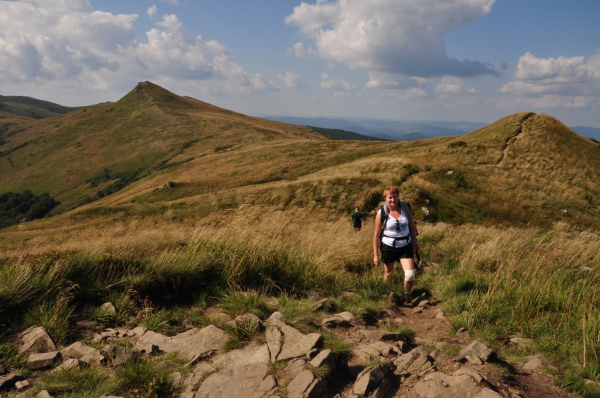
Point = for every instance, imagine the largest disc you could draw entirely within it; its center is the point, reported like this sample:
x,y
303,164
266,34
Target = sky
x,y
442,60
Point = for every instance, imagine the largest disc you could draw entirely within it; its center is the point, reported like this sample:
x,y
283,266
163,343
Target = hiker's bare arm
x,y
376,234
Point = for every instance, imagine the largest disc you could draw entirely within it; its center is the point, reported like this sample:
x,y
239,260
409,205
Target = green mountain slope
x,y
153,149
30,107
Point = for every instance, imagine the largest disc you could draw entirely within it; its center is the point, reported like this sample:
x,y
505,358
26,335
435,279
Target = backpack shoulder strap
x,y
385,212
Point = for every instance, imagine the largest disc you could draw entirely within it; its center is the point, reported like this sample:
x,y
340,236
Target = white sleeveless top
x,y
395,229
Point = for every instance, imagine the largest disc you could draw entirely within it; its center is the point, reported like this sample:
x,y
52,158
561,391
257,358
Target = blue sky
x,y
474,60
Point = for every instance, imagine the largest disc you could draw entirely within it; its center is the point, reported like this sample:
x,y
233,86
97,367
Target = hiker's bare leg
x,y
408,264
388,270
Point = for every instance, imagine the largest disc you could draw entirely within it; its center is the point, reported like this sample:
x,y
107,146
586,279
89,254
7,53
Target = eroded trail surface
x,y
283,361
511,141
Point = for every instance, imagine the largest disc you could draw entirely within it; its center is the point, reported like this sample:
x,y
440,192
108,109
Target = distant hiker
x,y
356,219
396,235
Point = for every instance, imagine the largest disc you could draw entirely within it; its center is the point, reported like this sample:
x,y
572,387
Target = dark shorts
x,y
392,254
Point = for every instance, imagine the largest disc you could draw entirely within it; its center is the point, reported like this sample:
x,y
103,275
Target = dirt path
x,y
511,141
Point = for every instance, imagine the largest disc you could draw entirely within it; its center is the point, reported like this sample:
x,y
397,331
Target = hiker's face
x,y
391,199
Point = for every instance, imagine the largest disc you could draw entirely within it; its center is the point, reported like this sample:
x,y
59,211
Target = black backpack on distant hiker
x,y
408,213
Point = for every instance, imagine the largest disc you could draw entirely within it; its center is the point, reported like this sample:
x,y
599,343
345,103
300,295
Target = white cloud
x,y
390,81
329,82
453,85
152,11
291,80
393,36
330,65
172,2
298,50
45,41
556,76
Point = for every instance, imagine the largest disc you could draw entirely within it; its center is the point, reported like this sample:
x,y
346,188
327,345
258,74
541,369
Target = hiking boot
x,y
407,300
395,299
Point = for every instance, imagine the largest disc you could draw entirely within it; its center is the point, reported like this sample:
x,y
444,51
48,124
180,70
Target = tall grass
x,y
537,284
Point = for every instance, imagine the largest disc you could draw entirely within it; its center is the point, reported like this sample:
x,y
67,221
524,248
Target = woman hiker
x,y
396,234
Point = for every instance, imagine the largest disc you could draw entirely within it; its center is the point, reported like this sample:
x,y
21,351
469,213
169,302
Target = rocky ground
x,y
281,361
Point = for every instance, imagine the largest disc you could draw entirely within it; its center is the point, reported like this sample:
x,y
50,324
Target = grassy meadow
x,y
497,281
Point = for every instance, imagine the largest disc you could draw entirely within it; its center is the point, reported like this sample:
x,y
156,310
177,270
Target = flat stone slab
x,y
479,348
37,339
84,353
43,360
250,380
299,347
192,344
273,341
440,385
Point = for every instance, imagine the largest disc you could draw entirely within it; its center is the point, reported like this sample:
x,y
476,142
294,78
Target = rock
x,y
324,358
249,380
276,319
44,360
43,394
518,341
535,361
319,305
347,316
382,335
109,307
463,333
248,322
315,294
370,378
192,345
312,353
300,384
295,367
487,393
377,349
9,380
347,296
242,357
70,363
21,385
440,385
414,360
480,349
440,315
395,299
36,339
473,359
84,353
273,342
423,303
97,338
109,333
297,344
119,355
335,321
472,373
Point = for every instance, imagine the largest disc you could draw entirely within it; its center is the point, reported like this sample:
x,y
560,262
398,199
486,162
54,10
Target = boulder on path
x,y
324,358
273,336
307,385
238,380
119,355
370,379
536,361
416,360
383,335
344,319
84,353
440,385
297,344
43,360
36,339
480,349
192,345
70,363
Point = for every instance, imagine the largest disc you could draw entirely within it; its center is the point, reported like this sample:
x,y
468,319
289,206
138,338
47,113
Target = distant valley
x,y
403,130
